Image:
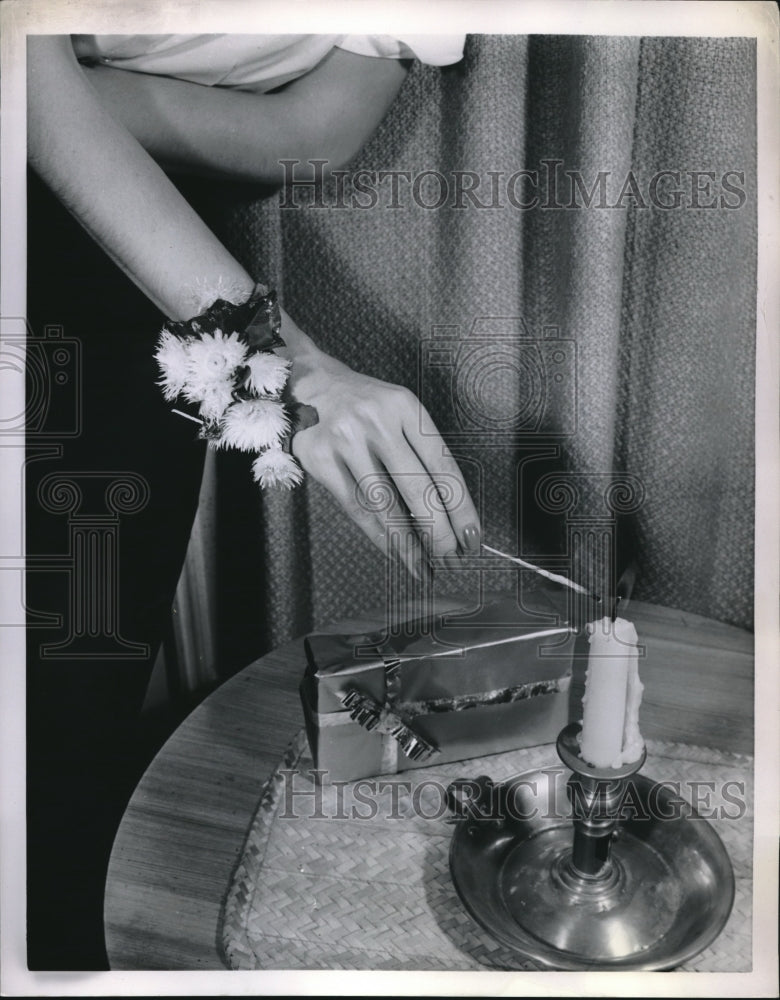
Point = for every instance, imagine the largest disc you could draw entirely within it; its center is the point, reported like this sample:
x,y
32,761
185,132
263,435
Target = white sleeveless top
x,y
253,62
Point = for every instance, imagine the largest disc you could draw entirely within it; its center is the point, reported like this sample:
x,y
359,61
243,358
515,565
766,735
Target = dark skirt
x,y
112,483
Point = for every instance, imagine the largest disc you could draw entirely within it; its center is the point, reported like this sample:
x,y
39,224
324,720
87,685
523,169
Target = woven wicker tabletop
x,y
356,876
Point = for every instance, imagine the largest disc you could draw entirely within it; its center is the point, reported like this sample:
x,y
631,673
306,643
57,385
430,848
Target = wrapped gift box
x,y
441,688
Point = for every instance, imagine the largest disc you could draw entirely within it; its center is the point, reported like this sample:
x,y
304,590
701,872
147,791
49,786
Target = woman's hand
x,y
376,449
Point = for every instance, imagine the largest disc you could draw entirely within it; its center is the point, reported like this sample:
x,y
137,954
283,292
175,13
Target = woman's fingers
x,y
456,500
366,496
423,438
377,492
421,496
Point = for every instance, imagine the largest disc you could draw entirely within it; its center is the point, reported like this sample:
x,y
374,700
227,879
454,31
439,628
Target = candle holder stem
x,y
594,806
596,795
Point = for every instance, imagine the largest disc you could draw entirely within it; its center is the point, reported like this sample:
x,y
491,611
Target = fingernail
x,y
471,538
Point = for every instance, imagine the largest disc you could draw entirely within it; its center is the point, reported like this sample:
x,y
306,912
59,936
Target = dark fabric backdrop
x,y
654,309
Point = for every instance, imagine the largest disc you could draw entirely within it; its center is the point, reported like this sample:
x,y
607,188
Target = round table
x,y
183,830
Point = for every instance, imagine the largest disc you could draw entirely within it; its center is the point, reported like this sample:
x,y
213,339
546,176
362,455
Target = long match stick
x,y
538,569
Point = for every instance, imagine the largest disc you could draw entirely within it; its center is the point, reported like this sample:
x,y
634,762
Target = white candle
x,y
633,744
613,693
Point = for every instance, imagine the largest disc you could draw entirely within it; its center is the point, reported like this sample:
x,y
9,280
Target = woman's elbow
x,y
336,137
333,148
341,153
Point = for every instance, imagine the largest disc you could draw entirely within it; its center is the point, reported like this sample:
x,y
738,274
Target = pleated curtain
x,y
586,363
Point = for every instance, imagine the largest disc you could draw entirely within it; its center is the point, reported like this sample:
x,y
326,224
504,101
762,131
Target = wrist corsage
x,y
223,361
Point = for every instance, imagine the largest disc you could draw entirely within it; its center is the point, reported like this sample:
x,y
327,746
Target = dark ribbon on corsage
x,y
258,321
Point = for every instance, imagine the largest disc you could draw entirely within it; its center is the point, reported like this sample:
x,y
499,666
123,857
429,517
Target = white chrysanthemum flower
x,y
216,399
267,373
213,358
172,356
254,424
276,468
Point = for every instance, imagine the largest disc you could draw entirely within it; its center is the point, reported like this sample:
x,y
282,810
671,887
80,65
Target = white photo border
x,y
20,18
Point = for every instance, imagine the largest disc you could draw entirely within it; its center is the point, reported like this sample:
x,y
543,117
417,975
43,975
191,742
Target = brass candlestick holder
x,y
605,870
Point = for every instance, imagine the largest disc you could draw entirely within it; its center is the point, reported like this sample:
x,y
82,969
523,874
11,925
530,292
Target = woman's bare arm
x,y
116,190
367,429
327,114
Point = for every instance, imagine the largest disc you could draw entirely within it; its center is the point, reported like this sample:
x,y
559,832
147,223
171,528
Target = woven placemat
x,y
324,884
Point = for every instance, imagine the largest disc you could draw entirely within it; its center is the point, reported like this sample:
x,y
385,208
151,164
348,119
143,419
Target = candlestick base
x,y
607,870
